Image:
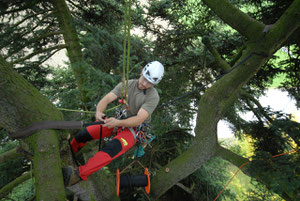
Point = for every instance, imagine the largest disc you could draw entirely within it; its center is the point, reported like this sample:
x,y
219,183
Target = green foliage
x,y
11,169
259,193
23,192
292,81
210,180
283,170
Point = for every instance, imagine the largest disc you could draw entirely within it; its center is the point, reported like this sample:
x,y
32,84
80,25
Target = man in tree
x,y
142,100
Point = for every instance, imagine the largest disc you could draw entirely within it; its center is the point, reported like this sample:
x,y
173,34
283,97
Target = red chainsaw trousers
x,y
121,143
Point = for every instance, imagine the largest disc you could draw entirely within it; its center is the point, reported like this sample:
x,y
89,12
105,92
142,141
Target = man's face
x,y
143,83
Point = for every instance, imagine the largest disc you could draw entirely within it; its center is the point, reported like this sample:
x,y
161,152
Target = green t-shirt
x,y
137,98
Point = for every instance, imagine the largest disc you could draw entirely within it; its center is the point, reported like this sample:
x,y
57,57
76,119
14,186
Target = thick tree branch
x,y
70,35
226,67
223,64
237,56
58,47
234,17
186,189
231,157
9,187
284,27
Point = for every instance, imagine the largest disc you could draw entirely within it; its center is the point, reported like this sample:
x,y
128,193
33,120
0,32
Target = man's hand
x,y
111,122
100,116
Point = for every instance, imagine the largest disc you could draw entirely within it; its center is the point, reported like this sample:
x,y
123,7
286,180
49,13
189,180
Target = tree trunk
x,y
73,46
21,105
215,102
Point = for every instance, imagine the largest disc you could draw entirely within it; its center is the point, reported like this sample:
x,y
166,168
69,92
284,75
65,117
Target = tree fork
x,y
217,99
226,67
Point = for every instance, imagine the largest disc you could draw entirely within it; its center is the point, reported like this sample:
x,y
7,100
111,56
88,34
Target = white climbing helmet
x,y
153,72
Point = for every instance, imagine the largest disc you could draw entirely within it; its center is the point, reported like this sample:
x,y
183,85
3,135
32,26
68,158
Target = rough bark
x,y
215,102
73,46
21,105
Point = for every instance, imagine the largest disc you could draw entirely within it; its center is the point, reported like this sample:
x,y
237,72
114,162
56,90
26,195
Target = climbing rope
x,y
126,49
135,161
290,152
89,112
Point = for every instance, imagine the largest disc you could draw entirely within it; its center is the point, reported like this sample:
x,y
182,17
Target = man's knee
x,y
83,136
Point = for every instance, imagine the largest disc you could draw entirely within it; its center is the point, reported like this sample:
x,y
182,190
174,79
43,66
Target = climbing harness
x,y
143,137
141,133
121,112
129,181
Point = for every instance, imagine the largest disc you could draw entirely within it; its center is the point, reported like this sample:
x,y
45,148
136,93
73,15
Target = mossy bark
x,y
234,17
21,104
216,101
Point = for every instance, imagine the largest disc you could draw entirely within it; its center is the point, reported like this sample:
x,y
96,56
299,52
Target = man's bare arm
x,y
134,121
102,104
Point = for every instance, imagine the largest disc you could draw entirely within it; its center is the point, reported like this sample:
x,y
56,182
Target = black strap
x,y
92,123
100,139
73,154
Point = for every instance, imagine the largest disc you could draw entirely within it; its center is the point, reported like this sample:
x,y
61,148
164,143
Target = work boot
x,y
71,176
